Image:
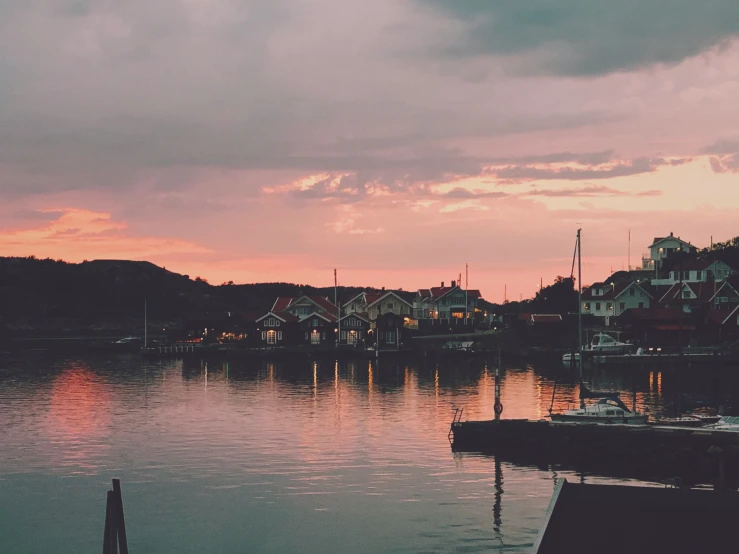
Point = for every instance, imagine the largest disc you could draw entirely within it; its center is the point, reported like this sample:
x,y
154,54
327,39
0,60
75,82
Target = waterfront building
x,y
447,303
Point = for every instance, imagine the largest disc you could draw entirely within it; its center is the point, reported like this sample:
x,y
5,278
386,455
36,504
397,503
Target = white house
x,y
607,300
696,271
446,302
662,247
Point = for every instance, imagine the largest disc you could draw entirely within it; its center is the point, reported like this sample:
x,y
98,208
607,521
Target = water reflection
x,y
78,418
278,456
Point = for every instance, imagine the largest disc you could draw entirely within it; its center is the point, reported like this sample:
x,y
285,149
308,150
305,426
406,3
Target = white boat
x,y
726,423
608,409
128,340
606,344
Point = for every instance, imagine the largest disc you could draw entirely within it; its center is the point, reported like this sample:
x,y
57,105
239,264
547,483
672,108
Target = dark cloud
x,y
464,194
592,190
36,215
724,156
571,37
624,169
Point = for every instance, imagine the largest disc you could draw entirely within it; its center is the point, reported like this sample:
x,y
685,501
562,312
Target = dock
x,y
615,519
647,452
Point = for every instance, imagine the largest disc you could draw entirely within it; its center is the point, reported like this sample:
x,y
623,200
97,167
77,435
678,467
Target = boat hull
x,y
630,420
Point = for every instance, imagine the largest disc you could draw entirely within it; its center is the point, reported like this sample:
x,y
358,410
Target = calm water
x,y
287,457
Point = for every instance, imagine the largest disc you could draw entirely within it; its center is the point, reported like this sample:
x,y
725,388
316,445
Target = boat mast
x,y
145,326
579,308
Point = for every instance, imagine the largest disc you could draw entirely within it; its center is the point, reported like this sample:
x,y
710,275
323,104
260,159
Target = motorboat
x,y
603,343
571,359
689,420
726,423
608,409
128,340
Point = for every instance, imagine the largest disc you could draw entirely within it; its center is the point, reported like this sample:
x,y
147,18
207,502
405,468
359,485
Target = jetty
x,y
699,455
615,519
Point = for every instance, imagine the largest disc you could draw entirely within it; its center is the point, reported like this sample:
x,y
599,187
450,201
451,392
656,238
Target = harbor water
x,y
250,456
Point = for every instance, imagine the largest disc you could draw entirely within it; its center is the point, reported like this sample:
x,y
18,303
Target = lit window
x,y
609,306
586,306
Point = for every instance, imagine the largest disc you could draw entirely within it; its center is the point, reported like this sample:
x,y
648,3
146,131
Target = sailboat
x,y
609,408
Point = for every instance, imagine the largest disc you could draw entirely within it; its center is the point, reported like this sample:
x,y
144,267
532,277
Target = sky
x,y
394,140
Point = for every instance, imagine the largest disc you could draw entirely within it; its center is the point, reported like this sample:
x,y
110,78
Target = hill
x,y
57,296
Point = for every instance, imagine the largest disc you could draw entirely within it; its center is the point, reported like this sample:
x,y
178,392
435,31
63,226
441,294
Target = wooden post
x,y
110,542
114,534
106,531
121,524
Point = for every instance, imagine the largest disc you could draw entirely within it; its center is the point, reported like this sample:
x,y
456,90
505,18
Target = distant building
x,y
446,302
606,300
376,302
661,248
304,306
694,271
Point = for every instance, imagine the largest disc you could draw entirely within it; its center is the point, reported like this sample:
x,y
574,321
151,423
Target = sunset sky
x,y
396,140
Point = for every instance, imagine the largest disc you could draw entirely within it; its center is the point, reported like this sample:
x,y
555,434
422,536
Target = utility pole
x,y
466,287
338,308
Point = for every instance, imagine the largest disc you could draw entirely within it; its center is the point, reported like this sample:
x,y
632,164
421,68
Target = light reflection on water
x,y
272,457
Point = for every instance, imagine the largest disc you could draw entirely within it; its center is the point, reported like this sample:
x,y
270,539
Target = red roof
x,y
325,315
373,297
703,292
589,293
282,303
657,314
287,317
323,302
437,292
424,293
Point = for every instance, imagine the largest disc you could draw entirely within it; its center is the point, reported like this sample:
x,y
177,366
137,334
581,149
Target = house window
x,y
597,306
264,335
307,335
343,335
279,335
323,336
599,292
622,306
314,323
271,337
277,322
390,337
586,306
352,337
609,306
698,275
641,304
632,291
315,337
686,294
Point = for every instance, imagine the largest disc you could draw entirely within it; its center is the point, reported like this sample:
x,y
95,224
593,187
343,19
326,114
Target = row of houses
x,y
382,319
674,291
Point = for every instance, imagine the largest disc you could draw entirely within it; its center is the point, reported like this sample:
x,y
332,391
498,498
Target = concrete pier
x,y
649,452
